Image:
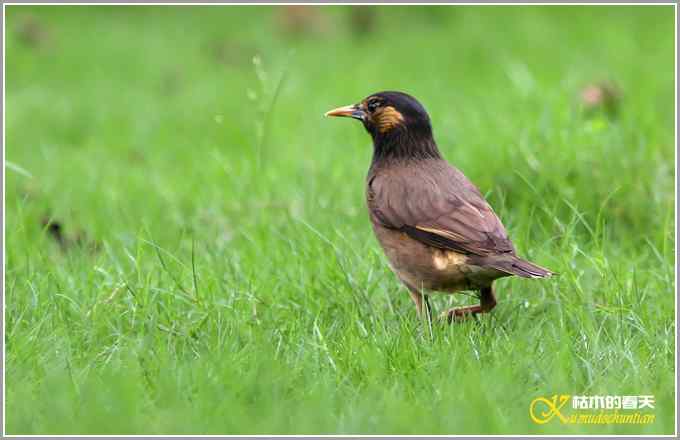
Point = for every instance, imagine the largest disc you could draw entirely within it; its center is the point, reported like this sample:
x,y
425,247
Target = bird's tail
x,y
522,268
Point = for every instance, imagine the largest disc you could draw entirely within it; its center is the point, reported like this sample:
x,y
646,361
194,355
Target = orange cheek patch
x,y
388,118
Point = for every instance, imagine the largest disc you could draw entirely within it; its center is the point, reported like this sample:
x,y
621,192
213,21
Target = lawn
x,y
187,244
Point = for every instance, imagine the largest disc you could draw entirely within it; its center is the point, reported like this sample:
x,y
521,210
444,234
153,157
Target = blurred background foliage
x,y
108,101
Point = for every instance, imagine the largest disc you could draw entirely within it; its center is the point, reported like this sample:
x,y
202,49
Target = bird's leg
x,y
421,301
487,301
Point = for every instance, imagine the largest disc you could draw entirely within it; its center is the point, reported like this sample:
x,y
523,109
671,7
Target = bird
x,y
437,230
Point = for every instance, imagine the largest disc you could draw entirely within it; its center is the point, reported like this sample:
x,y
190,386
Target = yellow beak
x,y
348,111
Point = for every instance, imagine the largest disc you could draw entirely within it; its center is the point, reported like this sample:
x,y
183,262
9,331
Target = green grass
x,y
228,280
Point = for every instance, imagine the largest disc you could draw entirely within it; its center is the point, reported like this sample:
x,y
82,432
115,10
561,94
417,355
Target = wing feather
x,y
436,204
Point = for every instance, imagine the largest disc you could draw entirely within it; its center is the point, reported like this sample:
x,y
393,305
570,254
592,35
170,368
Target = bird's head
x,y
397,122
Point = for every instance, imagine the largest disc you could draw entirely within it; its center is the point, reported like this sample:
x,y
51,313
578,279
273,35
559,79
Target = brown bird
x,y
436,228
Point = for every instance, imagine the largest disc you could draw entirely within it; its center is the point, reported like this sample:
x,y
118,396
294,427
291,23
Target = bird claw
x,y
460,314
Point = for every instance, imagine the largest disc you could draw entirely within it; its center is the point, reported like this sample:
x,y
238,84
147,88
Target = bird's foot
x,y
460,314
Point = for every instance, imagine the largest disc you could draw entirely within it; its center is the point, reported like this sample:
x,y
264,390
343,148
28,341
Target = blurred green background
x,y
187,244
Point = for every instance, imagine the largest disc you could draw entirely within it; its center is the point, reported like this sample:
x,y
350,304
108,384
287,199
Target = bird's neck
x,y
402,145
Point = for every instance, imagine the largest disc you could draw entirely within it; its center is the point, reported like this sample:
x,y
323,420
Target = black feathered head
x,y
396,121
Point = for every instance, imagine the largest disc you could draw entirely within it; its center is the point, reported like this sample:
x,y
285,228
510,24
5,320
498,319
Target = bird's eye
x,y
372,105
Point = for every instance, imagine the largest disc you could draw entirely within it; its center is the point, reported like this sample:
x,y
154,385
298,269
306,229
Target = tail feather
x,y
521,268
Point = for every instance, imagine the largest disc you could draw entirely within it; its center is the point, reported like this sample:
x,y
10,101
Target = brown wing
x,y
436,204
